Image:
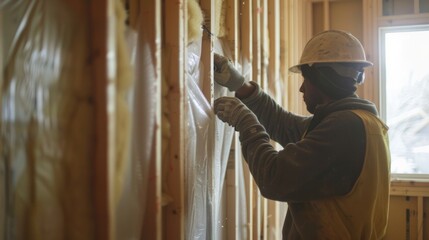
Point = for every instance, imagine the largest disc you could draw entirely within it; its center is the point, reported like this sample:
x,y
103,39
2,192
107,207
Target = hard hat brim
x,y
297,69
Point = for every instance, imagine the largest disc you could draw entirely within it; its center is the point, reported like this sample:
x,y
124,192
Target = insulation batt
x,y
195,20
124,81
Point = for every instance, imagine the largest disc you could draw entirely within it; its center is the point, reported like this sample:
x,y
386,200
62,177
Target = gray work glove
x,y
225,73
232,111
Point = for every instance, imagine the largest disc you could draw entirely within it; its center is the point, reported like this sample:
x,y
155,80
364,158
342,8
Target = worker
x,y
334,166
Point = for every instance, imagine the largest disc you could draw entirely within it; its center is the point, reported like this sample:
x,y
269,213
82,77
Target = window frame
x,y
382,31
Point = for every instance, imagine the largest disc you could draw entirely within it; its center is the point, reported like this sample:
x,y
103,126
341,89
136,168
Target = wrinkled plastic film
x,y
47,114
199,116
223,140
206,154
242,233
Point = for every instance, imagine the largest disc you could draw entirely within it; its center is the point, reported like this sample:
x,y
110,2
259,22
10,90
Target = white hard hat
x,y
332,46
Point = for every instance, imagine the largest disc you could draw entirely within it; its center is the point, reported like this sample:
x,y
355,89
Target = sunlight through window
x,y
405,96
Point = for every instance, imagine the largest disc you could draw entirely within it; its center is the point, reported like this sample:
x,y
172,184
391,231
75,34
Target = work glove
x,y
232,111
225,73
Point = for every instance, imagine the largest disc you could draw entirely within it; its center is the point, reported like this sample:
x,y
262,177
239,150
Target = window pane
x,y
397,7
424,6
407,99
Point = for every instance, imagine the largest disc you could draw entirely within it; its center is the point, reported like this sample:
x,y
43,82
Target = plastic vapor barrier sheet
x,y
208,149
47,120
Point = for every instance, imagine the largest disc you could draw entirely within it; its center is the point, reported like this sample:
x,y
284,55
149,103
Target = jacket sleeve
x,y
283,127
325,163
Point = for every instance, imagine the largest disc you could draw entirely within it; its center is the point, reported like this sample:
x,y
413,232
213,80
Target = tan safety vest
x,y
363,212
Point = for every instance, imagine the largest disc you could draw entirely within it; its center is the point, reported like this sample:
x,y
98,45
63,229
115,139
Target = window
x,y
404,59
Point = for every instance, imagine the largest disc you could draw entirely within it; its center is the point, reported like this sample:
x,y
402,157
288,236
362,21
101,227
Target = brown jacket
x,y
322,155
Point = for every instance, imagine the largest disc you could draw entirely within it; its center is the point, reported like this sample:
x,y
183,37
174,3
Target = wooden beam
x,y
208,8
370,89
102,42
420,218
247,15
175,37
232,36
273,224
416,7
246,27
255,198
284,50
274,57
256,44
409,188
326,15
233,172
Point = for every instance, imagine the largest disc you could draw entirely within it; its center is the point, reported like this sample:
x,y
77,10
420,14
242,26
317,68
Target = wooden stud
x,y
326,15
5,175
256,43
416,7
370,89
266,84
208,8
231,199
232,35
274,47
271,208
420,218
246,30
175,37
102,42
247,11
234,227
284,49
257,77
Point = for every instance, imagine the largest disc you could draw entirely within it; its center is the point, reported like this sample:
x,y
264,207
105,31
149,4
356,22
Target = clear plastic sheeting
x,y
132,197
208,149
47,120
223,139
199,117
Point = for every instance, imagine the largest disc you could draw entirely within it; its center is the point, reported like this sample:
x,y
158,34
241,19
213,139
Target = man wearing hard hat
x,y
334,169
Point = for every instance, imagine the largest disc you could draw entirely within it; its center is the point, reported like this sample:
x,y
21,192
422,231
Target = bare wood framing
x,y
284,49
246,30
102,42
416,6
232,29
233,41
274,57
231,207
256,43
409,188
271,208
208,8
5,168
420,217
267,85
370,44
326,15
257,77
296,42
247,13
175,37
